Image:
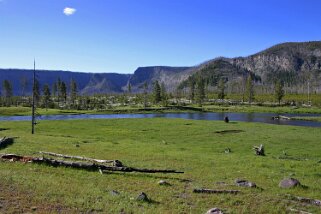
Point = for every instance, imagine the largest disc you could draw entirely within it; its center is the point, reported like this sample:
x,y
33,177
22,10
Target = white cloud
x,y
68,11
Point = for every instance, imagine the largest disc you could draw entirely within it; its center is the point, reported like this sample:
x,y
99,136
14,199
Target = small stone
x,y
142,197
289,183
34,208
214,211
114,192
245,183
1,206
228,150
164,183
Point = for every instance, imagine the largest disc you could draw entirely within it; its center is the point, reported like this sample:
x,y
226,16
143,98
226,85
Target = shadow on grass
x,y
133,174
3,129
5,142
229,131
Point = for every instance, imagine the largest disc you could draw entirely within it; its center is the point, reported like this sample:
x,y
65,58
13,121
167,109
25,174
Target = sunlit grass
x,y
187,145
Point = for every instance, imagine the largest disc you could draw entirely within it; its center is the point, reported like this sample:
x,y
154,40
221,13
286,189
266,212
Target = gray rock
x,y
214,211
245,183
289,183
164,183
142,197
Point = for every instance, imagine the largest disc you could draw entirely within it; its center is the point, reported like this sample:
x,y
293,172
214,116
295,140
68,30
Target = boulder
x,y
214,211
142,197
245,183
289,183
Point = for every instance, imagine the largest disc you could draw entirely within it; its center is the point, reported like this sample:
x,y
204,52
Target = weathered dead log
x,y
114,162
298,211
2,139
214,191
13,157
94,166
259,150
305,200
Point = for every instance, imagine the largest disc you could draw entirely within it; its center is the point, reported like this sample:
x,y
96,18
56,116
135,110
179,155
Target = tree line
x,y
63,94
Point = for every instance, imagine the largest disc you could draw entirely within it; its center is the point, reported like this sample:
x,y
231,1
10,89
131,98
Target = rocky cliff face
x,y
170,76
293,63
288,57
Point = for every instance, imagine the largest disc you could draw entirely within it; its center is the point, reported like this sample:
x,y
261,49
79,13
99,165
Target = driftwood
x,y
259,150
114,162
305,200
213,191
2,139
298,211
81,165
13,157
100,167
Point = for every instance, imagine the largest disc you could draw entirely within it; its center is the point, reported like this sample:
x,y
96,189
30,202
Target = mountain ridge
x,y
292,62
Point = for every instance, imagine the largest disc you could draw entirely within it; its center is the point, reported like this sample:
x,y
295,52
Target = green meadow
x,y
195,147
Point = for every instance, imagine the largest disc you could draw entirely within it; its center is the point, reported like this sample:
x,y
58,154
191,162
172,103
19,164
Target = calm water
x,y
247,117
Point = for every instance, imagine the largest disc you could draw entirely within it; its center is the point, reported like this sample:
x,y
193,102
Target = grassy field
x,y
186,145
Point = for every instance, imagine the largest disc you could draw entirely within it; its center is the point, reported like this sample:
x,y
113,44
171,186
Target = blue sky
x,y
121,35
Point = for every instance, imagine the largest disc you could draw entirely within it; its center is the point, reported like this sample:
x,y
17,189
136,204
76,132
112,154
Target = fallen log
x,y
100,167
305,200
13,157
114,162
214,191
2,139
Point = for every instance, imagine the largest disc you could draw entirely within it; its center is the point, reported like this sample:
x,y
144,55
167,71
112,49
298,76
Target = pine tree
x,y
7,91
129,88
46,95
54,89
279,91
156,92
63,91
249,89
191,83
164,96
145,86
73,91
200,95
221,89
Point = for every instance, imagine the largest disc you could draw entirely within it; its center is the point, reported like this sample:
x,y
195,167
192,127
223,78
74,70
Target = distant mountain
x,y
170,76
87,83
295,63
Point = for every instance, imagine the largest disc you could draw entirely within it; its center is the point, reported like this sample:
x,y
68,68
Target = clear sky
x,y
121,35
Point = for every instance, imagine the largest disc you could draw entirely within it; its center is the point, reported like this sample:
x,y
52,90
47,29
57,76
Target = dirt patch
x,y
12,200
229,131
